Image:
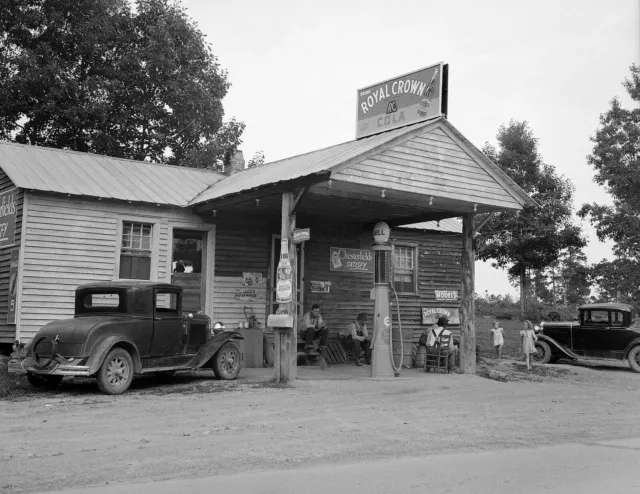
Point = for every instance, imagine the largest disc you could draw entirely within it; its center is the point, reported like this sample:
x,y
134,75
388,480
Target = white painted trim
x,y
211,271
21,250
155,242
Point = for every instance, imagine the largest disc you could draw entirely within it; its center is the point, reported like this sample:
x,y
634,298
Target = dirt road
x,y
196,426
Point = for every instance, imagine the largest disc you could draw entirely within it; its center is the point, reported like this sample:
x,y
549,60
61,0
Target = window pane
x,y
167,302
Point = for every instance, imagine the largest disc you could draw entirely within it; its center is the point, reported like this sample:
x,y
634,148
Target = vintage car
x,y
606,331
126,328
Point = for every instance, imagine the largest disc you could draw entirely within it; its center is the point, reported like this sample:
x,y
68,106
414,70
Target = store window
x,y
135,253
405,269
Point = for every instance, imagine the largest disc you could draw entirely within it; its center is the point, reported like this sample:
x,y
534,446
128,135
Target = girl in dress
x,y
497,338
529,339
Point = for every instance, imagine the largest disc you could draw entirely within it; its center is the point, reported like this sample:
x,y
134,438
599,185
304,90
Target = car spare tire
x,y
634,358
543,352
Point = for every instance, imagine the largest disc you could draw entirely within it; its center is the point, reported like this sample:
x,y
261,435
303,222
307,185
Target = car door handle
x,y
157,319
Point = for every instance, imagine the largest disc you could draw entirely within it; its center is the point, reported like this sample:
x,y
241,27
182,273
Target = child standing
x,y
529,339
497,338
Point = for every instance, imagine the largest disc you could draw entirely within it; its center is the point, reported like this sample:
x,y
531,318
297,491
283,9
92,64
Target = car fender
x,y
105,344
555,345
628,348
209,349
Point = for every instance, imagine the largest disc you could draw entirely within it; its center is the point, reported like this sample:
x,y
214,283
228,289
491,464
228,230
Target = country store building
x,y
69,218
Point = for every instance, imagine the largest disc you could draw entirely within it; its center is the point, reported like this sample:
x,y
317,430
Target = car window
x,y
100,301
597,317
167,302
617,318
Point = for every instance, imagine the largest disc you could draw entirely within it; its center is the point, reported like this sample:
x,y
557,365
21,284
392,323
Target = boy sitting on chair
x,y
313,327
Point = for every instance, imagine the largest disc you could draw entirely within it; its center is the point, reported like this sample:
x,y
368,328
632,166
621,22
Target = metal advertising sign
x,y
301,235
403,100
320,286
446,294
8,208
430,315
13,287
351,260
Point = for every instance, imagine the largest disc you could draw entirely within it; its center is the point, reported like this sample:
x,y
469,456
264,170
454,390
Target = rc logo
x,y
392,107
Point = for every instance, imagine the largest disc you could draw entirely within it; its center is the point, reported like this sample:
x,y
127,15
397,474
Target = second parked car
x,y
603,331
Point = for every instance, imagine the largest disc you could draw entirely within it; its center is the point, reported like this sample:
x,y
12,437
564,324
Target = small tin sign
x,y
446,295
320,286
301,235
430,315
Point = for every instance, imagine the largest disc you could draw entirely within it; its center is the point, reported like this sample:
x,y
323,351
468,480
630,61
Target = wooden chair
x,y
440,360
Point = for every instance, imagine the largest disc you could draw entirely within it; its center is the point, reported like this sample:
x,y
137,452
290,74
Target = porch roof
x,y
329,162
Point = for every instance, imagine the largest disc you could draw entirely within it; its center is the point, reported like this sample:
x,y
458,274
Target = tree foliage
x,y
257,160
616,160
101,77
536,237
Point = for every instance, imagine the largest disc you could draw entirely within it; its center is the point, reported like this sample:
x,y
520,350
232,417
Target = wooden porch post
x,y
468,305
286,351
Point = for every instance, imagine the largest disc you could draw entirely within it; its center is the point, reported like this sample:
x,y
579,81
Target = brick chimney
x,y
236,162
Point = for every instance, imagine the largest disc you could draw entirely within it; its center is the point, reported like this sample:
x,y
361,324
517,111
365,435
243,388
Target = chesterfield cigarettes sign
x,y
411,98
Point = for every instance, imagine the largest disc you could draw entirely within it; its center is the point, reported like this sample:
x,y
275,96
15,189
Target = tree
x,y
99,77
616,160
257,160
534,238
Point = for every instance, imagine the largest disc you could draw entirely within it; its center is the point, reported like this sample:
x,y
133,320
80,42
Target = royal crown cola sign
x,y
403,100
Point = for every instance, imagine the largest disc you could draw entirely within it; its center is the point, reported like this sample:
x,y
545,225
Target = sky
x,y
295,67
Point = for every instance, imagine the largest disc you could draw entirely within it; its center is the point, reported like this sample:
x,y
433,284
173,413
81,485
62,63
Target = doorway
x,y
186,267
275,257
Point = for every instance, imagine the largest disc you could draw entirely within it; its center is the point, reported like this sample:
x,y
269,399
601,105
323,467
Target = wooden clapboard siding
x,y
432,164
350,292
239,251
8,331
70,241
231,311
438,268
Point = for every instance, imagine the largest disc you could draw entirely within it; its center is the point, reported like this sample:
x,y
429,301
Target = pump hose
x,y
396,369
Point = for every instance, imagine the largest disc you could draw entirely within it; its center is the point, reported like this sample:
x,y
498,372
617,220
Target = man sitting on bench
x,y
358,336
313,327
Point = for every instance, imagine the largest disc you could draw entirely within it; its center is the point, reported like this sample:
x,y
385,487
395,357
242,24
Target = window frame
x,y
414,271
152,253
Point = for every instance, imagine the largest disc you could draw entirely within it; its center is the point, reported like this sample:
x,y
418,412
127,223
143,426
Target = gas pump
x,y
382,364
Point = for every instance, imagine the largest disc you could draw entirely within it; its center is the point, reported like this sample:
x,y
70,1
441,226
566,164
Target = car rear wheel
x,y
634,358
543,353
116,372
40,381
227,362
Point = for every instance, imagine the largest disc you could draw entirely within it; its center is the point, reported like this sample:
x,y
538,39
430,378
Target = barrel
x,y
407,355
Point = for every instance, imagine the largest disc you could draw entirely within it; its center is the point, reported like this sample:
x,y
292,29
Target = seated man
x,y
433,338
358,336
313,327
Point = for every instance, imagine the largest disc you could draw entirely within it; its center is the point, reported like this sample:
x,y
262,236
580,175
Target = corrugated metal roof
x,y
302,165
84,174
446,225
